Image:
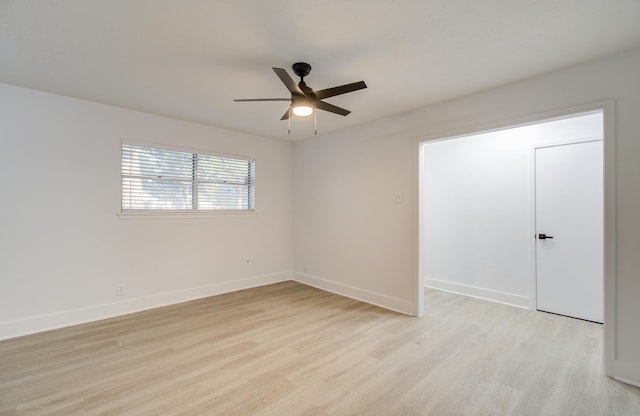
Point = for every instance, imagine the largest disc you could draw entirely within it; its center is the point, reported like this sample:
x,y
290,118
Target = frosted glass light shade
x,y
302,110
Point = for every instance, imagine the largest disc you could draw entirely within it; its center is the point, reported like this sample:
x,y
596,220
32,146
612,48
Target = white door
x,y
569,229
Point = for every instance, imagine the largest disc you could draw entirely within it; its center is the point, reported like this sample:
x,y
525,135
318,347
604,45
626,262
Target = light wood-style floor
x,y
288,349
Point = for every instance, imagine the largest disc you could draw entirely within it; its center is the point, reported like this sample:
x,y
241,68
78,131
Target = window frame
x,y
191,212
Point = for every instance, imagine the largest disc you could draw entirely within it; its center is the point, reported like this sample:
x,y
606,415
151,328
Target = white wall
x,y
350,235
476,227
63,248
354,239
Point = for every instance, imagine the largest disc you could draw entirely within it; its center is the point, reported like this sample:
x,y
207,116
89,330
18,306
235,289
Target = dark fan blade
x,y
262,99
286,115
342,89
331,108
288,81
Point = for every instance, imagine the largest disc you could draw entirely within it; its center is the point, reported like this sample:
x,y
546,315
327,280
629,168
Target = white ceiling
x,y
189,59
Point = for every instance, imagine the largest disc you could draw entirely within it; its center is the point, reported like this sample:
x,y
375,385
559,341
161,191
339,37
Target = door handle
x,y
544,236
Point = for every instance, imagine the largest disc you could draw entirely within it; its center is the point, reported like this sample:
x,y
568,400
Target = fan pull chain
x,y
289,120
315,122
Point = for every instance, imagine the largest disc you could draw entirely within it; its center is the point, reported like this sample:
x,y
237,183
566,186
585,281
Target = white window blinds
x,y
166,180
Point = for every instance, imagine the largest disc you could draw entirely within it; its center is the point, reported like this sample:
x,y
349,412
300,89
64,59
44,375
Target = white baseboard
x,y
480,293
627,372
48,322
378,299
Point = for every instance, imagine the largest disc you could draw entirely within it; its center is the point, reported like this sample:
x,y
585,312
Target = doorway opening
x,y
477,233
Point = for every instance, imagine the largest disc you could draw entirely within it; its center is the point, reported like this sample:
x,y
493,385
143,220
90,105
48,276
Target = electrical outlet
x,y
121,291
398,199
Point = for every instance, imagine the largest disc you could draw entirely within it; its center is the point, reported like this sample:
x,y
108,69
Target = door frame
x,y
532,210
607,107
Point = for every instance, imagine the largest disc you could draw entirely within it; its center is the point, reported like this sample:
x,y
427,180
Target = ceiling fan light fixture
x,y
302,110
305,101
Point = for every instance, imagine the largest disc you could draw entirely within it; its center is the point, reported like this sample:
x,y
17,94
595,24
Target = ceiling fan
x,y
303,99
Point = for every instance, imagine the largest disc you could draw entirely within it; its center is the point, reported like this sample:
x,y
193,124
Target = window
x,y
167,180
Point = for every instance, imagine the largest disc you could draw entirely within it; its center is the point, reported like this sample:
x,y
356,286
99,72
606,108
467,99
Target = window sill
x,y
128,215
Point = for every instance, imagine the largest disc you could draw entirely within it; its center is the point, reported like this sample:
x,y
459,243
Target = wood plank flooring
x,y
288,349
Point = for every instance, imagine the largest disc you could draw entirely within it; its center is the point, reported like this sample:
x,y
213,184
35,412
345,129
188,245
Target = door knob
x,y
544,236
